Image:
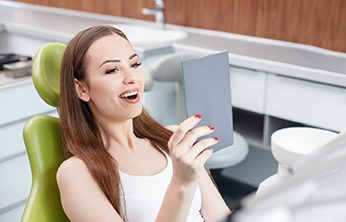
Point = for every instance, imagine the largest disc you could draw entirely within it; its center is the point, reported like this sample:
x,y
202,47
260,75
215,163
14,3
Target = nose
x,y
130,77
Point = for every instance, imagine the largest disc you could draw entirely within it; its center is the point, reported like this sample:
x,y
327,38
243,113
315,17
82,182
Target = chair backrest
x,y
42,140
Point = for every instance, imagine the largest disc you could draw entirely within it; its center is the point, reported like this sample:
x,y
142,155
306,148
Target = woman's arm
x,y
81,197
188,157
214,207
177,201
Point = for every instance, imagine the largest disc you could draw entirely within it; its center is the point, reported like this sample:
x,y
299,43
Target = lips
x,y
132,96
129,95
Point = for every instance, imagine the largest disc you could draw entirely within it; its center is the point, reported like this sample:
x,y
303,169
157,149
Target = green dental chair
x,y
42,140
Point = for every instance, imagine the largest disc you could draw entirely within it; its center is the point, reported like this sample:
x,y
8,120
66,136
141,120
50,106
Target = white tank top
x,y
144,195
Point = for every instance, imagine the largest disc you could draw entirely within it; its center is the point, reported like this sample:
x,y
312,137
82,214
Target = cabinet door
x,y
248,89
12,142
15,183
20,102
306,102
14,214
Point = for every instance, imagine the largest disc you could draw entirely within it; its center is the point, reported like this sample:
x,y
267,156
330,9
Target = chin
x,y
138,112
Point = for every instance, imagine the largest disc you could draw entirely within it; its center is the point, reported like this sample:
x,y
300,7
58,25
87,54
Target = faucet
x,y
157,12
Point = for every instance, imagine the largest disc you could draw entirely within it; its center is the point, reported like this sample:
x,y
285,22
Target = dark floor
x,y
231,190
240,180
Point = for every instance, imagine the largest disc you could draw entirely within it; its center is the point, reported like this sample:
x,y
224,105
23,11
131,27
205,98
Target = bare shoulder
x,y
72,168
72,164
172,128
80,193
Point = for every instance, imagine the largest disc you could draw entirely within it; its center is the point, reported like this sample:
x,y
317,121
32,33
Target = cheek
x,y
96,89
101,88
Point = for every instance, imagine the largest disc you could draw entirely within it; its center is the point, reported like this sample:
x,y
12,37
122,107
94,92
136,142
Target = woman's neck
x,y
118,134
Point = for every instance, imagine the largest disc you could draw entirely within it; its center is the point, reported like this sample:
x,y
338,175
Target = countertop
x,y
272,56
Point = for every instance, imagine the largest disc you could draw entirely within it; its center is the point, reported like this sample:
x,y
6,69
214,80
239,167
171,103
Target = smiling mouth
x,y
130,95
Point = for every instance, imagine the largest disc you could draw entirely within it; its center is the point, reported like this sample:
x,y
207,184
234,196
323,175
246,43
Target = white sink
x,y
143,35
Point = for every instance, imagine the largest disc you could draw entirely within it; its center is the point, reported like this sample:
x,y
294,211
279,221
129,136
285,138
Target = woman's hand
x,y
189,156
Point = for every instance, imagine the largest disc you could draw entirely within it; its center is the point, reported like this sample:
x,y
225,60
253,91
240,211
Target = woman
x,y
123,165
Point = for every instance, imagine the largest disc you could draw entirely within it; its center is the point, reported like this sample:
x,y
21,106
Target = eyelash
x,y
134,65
112,70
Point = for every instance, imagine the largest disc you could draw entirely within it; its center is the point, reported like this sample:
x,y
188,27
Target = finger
x,y
200,146
202,158
190,139
182,129
192,135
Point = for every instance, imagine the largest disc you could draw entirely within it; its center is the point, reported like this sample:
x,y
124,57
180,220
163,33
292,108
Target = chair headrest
x,y
46,68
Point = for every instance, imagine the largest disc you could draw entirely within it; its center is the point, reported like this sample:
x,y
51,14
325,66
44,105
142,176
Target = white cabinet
x,y
15,183
11,139
266,102
19,102
13,215
306,102
248,89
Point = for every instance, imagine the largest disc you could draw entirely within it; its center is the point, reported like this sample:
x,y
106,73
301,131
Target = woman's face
x,y
114,82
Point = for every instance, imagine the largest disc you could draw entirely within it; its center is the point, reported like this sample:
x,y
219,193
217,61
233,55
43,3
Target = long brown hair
x,y
80,133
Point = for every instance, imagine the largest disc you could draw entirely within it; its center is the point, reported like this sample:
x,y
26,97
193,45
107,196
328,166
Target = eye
x,y
113,70
136,64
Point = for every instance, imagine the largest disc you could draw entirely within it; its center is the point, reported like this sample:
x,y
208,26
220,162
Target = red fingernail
x,y
215,138
211,127
198,116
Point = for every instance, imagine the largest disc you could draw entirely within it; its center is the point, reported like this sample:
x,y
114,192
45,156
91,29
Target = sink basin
x,y
144,35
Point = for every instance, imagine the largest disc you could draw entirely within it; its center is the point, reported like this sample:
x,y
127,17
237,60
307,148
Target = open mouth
x,y
130,95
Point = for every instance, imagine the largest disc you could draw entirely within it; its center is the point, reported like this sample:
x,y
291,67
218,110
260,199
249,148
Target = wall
x,y
315,22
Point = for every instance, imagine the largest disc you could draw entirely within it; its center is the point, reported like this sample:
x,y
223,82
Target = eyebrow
x,y
116,60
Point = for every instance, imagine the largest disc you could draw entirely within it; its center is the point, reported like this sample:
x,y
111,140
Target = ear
x,y
82,91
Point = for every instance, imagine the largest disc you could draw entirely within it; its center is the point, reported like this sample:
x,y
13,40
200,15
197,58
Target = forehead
x,y
109,47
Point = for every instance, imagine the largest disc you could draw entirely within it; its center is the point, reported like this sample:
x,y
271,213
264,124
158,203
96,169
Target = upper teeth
x,y
129,94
